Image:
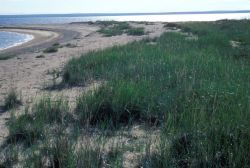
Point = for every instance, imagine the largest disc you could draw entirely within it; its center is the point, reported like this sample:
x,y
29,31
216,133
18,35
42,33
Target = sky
x,y
117,6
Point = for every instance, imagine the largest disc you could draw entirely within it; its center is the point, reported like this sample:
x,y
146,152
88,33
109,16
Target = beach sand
x,y
29,75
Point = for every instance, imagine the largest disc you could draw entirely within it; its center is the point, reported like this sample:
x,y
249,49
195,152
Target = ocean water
x,y
68,18
8,39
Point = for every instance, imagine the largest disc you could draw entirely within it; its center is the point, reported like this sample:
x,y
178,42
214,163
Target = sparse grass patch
x,y
69,45
56,44
52,111
63,153
40,56
139,31
112,28
54,48
6,56
24,129
107,23
29,127
11,100
146,23
51,49
172,26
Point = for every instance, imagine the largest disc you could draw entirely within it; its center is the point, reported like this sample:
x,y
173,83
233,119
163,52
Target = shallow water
x,y
10,39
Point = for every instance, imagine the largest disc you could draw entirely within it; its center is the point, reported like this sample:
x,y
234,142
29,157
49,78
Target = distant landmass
x,y
148,13
87,17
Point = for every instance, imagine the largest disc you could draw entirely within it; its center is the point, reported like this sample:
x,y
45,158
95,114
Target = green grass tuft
x,y
54,48
11,100
69,45
113,28
136,31
52,111
40,56
6,56
51,49
24,129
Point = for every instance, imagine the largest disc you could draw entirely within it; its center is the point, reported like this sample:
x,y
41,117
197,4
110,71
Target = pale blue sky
x,y
117,6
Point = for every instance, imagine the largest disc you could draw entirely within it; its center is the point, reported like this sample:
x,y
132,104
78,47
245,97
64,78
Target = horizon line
x,y
135,13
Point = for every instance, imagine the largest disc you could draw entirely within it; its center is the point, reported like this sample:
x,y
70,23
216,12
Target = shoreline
x,y
43,37
39,37
29,37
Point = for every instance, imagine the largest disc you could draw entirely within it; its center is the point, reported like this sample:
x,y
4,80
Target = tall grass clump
x,y
43,140
139,31
52,111
11,100
30,126
113,28
62,151
124,104
52,49
199,141
24,129
6,56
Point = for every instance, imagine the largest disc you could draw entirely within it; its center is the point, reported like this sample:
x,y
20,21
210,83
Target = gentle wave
x,y
12,39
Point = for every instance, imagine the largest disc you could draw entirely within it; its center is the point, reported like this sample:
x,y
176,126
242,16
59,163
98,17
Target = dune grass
x,y
52,49
113,28
6,56
196,93
139,31
11,100
199,88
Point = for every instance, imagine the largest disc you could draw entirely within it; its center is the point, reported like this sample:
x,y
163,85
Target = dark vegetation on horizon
x,y
5,56
114,28
195,91
52,49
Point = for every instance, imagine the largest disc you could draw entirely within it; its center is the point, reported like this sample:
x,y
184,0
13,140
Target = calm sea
x,y
8,39
67,18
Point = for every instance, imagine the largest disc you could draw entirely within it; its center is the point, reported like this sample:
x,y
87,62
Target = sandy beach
x,y
29,75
